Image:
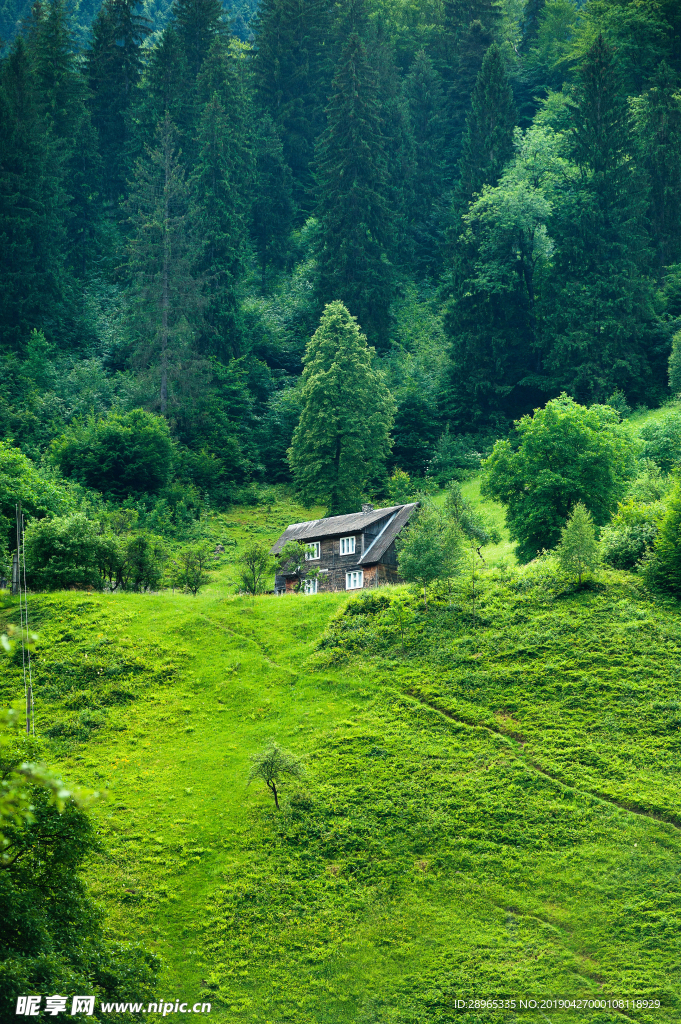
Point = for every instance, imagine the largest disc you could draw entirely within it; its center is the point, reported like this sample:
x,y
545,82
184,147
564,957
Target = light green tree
x,y
189,569
578,548
342,439
294,559
253,566
664,568
272,766
430,550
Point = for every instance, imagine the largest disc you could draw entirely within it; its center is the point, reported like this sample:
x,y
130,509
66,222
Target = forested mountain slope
x,y
492,190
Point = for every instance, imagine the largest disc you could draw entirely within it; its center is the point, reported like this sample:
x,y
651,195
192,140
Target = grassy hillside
x,y
491,807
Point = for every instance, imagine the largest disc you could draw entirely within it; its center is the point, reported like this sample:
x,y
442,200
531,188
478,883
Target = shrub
x,y
255,563
64,552
563,454
39,493
631,534
662,441
121,454
664,567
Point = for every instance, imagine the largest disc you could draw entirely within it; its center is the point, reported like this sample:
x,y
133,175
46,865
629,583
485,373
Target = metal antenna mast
x,y
23,618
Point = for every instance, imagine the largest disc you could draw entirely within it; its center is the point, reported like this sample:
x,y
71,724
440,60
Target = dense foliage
x,y
492,190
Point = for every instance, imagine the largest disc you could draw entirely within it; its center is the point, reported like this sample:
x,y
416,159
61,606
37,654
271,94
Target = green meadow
x,y
491,807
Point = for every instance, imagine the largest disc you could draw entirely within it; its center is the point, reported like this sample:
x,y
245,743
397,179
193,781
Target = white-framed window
x,y
310,556
310,586
347,546
354,580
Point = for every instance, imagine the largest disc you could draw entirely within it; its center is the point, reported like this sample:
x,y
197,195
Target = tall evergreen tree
x,y
114,66
342,440
165,296
657,120
598,316
62,95
221,185
488,139
164,91
293,71
198,23
33,206
354,214
272,213
425,96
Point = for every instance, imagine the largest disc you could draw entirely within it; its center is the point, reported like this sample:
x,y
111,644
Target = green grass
x,y
491,806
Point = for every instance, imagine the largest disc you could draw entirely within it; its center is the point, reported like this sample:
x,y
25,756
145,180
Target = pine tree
x,y
114,67
272,213
165,297
293,70
62,97
425,96
221,187
488,139
164,91
597,310
355,218
198,23
398,138
341,443
657,120
33,206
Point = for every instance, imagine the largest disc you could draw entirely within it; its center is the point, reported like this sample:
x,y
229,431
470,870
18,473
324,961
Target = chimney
x,y
367,508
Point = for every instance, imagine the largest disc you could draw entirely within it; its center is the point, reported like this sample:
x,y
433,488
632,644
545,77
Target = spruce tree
x,y
164,295
597,308
61,91
425,96
488,138
342,440
221,187
657,121
353,209
114,66
292,69
272,212
198,23
164,91
33,206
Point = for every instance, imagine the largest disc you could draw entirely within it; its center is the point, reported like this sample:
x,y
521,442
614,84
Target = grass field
x,y
491,809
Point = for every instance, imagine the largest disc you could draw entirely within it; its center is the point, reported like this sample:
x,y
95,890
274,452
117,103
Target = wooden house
x,y
352,552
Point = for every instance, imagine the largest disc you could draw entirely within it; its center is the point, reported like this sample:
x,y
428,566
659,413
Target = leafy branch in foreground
x,y
274,764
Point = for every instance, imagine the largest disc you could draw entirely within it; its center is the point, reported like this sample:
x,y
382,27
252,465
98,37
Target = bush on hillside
x,y
563,454
71,552
39,493
631,534
121,454
663,568
662,441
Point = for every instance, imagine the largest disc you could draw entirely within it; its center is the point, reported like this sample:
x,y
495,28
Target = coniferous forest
x,y
492,189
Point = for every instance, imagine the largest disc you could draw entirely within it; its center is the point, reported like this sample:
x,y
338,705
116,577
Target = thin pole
x,y
23,619
28,635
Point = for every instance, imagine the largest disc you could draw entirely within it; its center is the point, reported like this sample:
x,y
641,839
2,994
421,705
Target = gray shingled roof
x,y
387,535
336,526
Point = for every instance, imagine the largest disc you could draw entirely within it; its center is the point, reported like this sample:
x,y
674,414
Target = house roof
x,y
380,545
356,522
